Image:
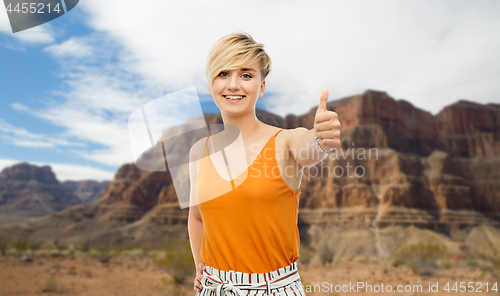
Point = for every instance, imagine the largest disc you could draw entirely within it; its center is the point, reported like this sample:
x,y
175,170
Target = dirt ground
x,y
347,275
139,276
82,276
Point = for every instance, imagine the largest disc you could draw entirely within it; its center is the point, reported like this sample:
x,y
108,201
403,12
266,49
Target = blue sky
x,y
29,76
68,86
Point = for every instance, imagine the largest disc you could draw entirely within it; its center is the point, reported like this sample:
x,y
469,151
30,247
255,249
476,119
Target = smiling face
x,y
238,90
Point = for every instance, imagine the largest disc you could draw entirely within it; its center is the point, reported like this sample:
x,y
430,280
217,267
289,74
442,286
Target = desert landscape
x,y
141,272
422,207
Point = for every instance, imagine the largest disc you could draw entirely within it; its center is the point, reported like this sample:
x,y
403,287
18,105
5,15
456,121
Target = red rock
x,y
438,171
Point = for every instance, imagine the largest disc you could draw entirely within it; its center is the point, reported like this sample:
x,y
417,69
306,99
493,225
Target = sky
x,y
68,87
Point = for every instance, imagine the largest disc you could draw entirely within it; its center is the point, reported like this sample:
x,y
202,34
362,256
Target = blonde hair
x,y
233,51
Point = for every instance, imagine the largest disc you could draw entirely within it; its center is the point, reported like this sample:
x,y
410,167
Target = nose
x,y
233,83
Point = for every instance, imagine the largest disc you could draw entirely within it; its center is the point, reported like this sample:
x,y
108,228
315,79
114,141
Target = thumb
x,y
323,98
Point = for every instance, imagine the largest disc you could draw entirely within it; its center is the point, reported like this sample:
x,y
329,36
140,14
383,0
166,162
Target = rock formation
x,y
397,166
30,190
441,172
87,190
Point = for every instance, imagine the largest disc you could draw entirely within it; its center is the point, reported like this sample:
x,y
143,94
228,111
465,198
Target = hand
x,y
326,124
199,275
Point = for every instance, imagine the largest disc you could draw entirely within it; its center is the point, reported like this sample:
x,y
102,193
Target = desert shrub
x,y
147,247
421,257
84,246
104,250
60,245
486,258
178,261
21,244
306,253
125,247
4,244
326,254
35,245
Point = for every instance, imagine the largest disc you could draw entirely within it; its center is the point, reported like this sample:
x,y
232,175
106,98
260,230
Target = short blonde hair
x,y
233,51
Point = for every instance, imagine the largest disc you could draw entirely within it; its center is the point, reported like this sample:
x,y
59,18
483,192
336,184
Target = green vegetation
x,y
84,246
306,253
326,254
4,244
147,247
60,245
21,244
104,251
486,259
421,257
35,245
178,260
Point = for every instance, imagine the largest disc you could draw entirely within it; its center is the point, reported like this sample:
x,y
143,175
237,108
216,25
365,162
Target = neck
x,y
250,126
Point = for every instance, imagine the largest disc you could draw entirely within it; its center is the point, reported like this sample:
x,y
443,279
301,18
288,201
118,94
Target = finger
x,y
323,99
328,135
326,116
329,144
327,125
198,287
325,135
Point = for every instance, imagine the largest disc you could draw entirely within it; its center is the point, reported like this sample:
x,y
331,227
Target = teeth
x,y
234,97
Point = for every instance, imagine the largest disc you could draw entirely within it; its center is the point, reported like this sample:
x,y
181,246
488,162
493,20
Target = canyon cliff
x,y
30,190
397,165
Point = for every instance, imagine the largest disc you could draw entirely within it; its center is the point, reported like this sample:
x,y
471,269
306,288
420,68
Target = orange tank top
x,y
251,227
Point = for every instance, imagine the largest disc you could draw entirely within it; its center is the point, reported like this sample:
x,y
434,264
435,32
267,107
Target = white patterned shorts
x,y
284,281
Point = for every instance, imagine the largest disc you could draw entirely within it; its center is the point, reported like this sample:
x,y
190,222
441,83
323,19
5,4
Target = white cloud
x,y
75,47
67,172
12,46
19,107
96,110
21,137
429,53
98,98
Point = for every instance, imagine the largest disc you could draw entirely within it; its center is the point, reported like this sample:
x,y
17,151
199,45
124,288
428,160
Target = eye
x,y
248,75
223,74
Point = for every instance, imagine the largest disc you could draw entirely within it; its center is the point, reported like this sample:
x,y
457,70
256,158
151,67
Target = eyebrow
x,y
248,69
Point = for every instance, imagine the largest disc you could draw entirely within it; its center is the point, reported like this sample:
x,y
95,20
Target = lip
x,y
234,101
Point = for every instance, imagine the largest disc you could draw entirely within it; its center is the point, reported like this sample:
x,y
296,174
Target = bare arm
x,y
195,222
195,228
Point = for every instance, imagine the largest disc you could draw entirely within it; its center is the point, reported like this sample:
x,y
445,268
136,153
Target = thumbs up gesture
x,y
326,124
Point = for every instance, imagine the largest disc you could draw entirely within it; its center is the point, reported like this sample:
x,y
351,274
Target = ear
x,y
262,89
209,89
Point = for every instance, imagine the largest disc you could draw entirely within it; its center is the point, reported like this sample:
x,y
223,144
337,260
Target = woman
x,y
245,240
